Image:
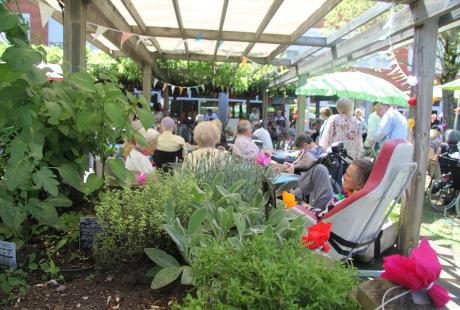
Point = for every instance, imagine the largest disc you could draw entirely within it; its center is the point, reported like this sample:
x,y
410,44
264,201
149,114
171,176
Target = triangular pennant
x,y
125,36
396,69
155,81
45,12
197,90
172,89
100,30
244,60
202,87
180,90
189,92
198,37
165,85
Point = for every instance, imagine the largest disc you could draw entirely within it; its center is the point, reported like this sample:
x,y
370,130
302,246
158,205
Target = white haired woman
x,y
206,135
344,128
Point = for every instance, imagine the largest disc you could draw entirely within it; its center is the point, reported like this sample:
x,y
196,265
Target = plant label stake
x,y
88,229
7,254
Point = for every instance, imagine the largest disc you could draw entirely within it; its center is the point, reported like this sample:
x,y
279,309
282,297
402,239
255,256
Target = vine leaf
x,y
46,179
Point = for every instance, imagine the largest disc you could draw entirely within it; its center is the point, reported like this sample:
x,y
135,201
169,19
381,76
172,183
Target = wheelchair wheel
x,y
457,205
442,194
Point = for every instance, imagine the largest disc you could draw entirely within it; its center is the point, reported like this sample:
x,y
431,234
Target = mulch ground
x,y
100,290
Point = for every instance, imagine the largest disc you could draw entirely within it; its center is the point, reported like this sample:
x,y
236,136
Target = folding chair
x,y
357,221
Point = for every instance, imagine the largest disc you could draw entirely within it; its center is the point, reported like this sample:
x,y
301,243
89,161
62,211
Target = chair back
x,y
163,159
357,220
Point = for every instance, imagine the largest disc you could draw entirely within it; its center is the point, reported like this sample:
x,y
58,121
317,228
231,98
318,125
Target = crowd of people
x,y
361,139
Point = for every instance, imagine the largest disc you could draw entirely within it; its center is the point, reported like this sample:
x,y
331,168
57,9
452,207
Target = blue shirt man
x,y
393,124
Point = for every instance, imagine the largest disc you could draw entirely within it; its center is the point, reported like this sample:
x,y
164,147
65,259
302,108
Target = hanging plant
x,y
412,101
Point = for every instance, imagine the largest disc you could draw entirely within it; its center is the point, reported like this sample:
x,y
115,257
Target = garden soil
x,y
90,290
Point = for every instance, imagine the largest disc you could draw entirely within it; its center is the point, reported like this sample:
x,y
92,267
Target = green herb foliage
x,y
263,274
234,169
13,284
133,219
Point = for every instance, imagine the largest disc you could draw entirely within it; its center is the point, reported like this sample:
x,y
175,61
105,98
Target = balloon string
x,y
382,306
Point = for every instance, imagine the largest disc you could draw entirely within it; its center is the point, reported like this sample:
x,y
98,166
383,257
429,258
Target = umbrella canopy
x,y
354,85
454,85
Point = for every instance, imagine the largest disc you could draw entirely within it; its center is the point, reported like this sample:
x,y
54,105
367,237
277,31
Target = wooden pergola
x,y
261,30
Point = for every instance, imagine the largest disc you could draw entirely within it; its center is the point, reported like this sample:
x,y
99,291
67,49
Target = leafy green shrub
x,y
263,274
234,169
133,219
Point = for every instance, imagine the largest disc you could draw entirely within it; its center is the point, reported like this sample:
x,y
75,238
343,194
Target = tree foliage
x,y
48,129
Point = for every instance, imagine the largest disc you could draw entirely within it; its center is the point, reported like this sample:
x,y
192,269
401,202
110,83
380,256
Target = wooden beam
x,y
425,38
271,38
220,58
358,22
180,24
74,35
221,26
316,17
140,22
106,10
296,59
147,81
267,18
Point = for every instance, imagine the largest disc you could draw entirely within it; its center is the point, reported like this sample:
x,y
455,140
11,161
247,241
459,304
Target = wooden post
x,y
147,82
223,107
301,106
74,35
166,100
425,37
264,105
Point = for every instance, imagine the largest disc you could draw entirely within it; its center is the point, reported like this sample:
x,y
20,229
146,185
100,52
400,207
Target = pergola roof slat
x,y
181,25
317,16
135,14
221,26
267,18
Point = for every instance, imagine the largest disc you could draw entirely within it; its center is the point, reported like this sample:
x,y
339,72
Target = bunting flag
x,y
189,92
155,81
165,85
197,90
172,89
244,60
125,36
202,87
100,30
45,12
199,36
180,90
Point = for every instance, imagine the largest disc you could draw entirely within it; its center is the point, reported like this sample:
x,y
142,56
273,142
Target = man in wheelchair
x,y
316,183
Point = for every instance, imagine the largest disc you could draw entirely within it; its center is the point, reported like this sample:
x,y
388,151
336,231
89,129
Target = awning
x,y
354,85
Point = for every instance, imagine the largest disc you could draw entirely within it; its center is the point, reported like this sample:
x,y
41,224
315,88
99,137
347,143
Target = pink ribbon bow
x,y
418,271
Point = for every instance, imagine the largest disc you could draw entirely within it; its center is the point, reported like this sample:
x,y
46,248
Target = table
x,y
286,181
281,156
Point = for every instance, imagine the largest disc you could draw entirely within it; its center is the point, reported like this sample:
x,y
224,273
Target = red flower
x,y
317,236
412,101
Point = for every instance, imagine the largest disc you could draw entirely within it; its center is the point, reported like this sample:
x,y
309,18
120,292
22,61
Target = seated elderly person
x,y
206,135
169,142
244,147
309,151
137,156
316,181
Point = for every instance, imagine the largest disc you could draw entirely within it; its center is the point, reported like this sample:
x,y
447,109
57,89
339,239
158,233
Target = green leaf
x,y
21,58
11,216
146,118
196,220
115,113
46,179
60,201
18,173
153,271
240,223
117,167
54,112
42,211
170,213
7,20
93,183
70,175
36,151
160,257
187,275
36,76
236,186
268,232
7,75
165,276
83,80
176,236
